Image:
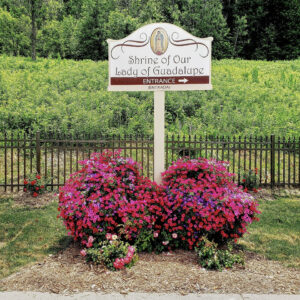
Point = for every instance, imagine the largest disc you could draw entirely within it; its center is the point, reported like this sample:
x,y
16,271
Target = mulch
x,y
171,272
175,272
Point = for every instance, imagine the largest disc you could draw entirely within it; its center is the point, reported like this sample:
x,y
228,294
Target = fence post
x,y
272,160
38,152
5,161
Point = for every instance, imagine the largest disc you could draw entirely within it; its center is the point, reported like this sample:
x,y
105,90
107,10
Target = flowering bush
x,y
35,185
210,257
112,252
108,195
250,180
200,199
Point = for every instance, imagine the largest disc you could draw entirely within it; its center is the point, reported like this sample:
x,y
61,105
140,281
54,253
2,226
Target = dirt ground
x,y
175,272
22,199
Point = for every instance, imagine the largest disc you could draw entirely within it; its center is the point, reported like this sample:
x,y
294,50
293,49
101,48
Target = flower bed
x,y
200,199
108,195
197,198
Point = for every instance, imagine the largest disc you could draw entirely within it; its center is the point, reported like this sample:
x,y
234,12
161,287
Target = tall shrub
x,y
108,195
201,200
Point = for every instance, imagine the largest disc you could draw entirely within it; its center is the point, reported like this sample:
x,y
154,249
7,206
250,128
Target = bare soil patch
x,y
176,272
273,194
22,199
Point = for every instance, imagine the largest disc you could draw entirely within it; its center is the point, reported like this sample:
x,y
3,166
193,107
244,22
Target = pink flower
x,y
83,252
131,249
127,260
108,236
201,189
119,263
130,252
90,240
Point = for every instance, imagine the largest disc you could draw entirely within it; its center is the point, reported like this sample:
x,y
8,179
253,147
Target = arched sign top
x,y
160,56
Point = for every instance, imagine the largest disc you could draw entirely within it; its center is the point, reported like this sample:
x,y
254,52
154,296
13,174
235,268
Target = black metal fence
x,y
276,159
56,156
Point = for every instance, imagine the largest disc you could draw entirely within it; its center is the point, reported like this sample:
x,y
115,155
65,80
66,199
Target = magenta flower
x,y
109,195
127,260
131,249
90,240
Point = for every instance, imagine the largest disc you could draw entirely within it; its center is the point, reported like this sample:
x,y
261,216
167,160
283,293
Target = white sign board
x,y
160,57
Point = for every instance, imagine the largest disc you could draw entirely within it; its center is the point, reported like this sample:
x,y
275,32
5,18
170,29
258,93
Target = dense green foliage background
x,y
248,97
78,29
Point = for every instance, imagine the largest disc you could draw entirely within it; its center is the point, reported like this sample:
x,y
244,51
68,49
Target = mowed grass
x,y
277,234
28,234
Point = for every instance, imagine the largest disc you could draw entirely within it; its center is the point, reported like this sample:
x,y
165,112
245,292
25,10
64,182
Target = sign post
x,y
159,134
159,57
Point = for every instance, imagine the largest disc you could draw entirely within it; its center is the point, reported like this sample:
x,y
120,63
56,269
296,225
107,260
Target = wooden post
x,y
159,135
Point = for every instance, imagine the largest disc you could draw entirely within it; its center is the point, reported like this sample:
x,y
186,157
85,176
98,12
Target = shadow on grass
x,y
62,244
5,200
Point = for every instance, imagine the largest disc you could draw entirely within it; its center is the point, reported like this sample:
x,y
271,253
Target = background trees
x,y
257,29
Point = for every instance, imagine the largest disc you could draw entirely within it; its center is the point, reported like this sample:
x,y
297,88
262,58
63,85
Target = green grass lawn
x,y
28,234
277,234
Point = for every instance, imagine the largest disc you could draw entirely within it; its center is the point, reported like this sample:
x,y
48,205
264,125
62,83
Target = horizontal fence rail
x,y
56,156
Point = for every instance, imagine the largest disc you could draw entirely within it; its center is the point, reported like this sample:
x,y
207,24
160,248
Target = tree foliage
x,y
205,18
13,41
273,29
78,29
